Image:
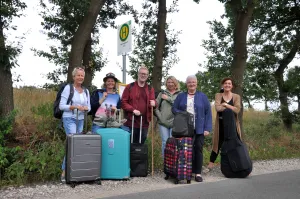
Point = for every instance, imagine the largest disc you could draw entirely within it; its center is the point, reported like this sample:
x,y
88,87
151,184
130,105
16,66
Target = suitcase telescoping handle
x,y
77,121
85,120
132,129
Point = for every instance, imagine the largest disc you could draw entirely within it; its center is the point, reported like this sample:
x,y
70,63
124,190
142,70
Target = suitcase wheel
x,y
73,185
176,181
167,177
98,182
188,181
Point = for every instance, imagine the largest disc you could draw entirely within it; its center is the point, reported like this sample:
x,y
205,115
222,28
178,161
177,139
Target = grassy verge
x,y
34,148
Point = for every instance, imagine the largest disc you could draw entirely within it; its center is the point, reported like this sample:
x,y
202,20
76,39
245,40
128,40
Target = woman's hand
x,y
81,108
104,96
152,103
206,133
85,108
164,96
113,108
210,165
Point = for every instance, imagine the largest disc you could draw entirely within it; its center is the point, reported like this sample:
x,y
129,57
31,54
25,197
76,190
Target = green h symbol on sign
x,y
124,32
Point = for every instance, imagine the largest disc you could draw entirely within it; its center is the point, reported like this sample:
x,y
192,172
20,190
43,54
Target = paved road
x,y
283,185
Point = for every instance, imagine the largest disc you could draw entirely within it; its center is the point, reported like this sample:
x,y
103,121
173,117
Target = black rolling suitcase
x,y
138,155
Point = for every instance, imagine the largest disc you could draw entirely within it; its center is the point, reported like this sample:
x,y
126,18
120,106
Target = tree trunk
x,y
86,63
242,20
6,87
82,36
283,90
266,105
160,45
248,101
284,107
298,98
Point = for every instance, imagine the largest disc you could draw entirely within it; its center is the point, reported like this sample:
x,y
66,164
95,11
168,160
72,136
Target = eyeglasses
x,y
143,74
110,75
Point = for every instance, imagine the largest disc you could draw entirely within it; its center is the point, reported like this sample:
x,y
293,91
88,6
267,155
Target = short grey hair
x,y
74,72
143,67
191,77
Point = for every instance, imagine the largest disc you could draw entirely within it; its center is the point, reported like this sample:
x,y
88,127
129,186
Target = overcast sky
x,y
191,20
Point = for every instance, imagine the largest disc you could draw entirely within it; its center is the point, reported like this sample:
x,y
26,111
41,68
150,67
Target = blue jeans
x,y
70,125
125,128
95,128
70,128
165,133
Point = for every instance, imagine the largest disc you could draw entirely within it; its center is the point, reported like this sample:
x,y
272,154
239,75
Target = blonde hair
x,y
175,81
74,72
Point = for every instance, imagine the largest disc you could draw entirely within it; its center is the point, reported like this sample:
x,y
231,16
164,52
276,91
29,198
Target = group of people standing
x,y
138,99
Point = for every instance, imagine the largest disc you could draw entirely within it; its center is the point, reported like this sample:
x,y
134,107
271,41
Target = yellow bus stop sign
x,y
124,32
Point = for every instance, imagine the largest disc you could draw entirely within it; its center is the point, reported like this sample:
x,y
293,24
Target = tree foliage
x,y
293,83
145,41
276,37
9,9
61,19
258,84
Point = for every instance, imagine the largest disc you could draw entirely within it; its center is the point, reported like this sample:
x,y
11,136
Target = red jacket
x,y
129,100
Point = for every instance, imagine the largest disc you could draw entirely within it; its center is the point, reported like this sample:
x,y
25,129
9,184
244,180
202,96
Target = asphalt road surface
x,y
283,185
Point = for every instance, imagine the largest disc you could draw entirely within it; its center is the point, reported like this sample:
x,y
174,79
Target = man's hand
x,y
136,112
164,96
206,133
152,103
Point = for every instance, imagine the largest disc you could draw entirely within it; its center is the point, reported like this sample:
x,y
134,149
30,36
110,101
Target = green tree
x,y
276,37
9,9
239,13
146,39
61,20
219,54
160,45
82,36
293,79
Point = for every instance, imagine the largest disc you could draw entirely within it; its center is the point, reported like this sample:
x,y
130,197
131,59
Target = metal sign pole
x,y
124,68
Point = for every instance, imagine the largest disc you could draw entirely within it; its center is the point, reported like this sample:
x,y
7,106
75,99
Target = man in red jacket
x,y
137,99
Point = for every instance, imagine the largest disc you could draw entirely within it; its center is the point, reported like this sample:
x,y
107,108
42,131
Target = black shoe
x,y
198,179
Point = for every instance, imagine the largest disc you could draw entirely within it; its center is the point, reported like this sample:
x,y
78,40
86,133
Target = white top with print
x,y
190,105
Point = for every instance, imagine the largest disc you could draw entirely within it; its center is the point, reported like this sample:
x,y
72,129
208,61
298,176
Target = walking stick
x,y
152,140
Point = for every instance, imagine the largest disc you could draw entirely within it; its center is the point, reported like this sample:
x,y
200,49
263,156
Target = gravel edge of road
x,y
114,188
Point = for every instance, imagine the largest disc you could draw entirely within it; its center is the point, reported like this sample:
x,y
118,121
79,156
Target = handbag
x,y
183,125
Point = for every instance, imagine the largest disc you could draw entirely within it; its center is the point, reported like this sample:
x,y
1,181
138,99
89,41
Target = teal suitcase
x,y
115,153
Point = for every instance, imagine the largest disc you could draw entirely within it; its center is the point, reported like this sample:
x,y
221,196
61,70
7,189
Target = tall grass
x,y
26,98
36,130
